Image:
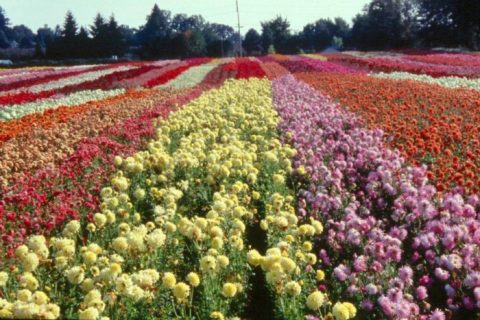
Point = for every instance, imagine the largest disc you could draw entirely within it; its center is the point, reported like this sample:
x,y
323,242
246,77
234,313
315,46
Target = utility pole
x,y
239,35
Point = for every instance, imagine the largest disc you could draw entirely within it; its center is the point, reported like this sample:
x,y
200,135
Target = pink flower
x,y
442,274
421,293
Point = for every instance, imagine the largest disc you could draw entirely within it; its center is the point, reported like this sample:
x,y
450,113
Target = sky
x,y
36,13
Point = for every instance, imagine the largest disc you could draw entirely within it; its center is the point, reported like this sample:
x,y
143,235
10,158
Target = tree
x,y
450,22
196,45
319,35
384,24
252,41
83,44
218,38
44,36
116,42
23,36
99,26
4,21
183,23
276,32
4,43
65,43
69,30
155,34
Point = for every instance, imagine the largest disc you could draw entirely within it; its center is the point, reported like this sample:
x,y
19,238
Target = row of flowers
x,y
52,75
175,72
392,244
18,111
76,79
190,78
430,125
190,195
303,64
448,82
395,63
56,132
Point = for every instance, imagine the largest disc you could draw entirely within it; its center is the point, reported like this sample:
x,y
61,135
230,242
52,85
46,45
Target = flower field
x,y
335,186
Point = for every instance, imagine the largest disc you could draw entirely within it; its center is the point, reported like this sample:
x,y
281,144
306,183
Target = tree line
x,y
382,25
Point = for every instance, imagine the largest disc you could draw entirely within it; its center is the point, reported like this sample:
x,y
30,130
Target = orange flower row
x,y
429,124
41,140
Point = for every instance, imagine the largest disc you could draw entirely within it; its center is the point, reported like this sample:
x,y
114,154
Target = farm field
x,y
318,186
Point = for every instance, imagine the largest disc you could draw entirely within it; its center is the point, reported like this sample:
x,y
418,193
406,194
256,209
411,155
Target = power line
x,y
239,35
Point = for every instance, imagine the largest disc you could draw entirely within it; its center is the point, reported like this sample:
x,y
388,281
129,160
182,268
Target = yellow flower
x,y
181,291
307,246
139,194
92,296
229,290
24,295
315,300
293,288
318,226
223,261
91,227
217,315
3,279
254,257
100,219
194,279
30,262
288,265
208,264
340,311
117,161
90,257
21,251
75,275
90,313
311,258
40,298
87,285
27,280
169,280
217,243
351,309
320,275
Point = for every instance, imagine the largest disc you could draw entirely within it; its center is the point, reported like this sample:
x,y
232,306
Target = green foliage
x,y
276,32
384,24
450,22
271,49
337,42
252,41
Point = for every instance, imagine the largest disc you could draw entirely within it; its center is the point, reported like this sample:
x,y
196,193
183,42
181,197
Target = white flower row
x,y
189,78
449,82
77,79
77,98
39,73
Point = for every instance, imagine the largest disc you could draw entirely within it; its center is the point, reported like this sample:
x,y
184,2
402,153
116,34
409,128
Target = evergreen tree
x,y
69,30
98,27
155,35
83,44
116,42
252,41
4,21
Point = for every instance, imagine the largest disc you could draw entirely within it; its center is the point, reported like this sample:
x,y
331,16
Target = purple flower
x,y
437,315
421,293
442,274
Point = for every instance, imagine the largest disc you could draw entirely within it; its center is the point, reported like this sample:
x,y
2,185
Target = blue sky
x,y
36,13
